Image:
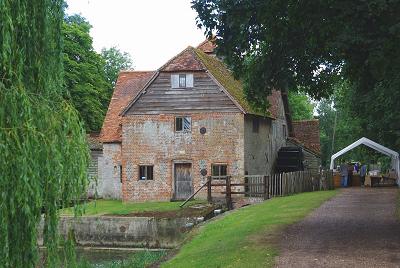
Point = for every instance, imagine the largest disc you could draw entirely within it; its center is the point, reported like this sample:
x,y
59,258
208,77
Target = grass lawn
x,y
246,237
117,207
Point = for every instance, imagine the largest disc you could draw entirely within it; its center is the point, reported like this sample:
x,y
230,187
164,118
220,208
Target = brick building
x,y
164,127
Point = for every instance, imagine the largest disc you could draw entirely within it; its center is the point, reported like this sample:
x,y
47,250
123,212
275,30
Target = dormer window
x,y
182,80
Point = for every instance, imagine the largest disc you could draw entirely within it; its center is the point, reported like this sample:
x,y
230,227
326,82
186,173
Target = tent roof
x,y
376,146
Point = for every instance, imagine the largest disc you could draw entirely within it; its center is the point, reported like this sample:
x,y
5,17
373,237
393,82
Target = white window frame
x,y
176,80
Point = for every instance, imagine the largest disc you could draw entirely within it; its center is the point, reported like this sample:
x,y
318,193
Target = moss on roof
x,y
235,88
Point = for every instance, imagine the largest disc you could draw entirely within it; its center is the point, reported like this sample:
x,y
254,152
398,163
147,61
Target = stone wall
x,y
152,140
93,171
109,184
257,146
104,231
278,139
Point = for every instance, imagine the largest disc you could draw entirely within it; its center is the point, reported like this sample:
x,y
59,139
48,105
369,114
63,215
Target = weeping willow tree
x,y
43,151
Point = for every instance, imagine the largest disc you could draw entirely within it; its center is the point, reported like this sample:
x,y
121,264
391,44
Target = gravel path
x,y
357,228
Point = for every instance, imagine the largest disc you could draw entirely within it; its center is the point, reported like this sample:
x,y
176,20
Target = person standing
x,y
363,172
344,173
350,169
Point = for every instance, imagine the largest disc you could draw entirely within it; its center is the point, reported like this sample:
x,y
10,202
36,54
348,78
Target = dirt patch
x,y
205,211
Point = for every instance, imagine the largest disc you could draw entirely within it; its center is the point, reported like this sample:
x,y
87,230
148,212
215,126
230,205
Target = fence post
x,y
228,193
269,185
209,197
265,186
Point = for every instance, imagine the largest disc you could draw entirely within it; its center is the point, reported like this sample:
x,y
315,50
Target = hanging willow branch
x,y
43,150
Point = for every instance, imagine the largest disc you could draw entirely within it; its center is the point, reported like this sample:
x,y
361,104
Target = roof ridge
x,y
225,77
211,40
202,43
188,48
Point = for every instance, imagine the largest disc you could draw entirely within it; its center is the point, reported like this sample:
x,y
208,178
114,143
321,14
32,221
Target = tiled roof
x,y
195,59
128,85
207,46
225,77
307,133
94,141
184,61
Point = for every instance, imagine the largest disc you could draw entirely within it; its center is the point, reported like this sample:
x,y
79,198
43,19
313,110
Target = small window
x,y
256,125
183,124
182,80
145,173
218,170
120,173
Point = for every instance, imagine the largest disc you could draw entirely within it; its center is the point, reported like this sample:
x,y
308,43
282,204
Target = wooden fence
x,y
265,186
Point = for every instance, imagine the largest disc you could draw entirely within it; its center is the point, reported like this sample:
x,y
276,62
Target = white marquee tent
x,y
380,148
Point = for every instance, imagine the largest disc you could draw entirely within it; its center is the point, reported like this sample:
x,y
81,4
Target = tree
x,y
116,60
43,148
85,77
339,127
310,44
300,105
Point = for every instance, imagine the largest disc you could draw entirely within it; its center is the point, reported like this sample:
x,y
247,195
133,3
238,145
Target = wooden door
x,y
183,181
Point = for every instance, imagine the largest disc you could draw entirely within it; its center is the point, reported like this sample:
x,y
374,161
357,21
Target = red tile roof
x,y
128,85
307,133
207,46
184,61
93,139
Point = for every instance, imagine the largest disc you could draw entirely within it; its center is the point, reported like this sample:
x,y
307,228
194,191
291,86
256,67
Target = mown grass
x,y
117,207
140,259
246,237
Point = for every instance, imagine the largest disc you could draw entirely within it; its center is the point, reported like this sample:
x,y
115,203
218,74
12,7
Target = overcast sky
x,y
152,31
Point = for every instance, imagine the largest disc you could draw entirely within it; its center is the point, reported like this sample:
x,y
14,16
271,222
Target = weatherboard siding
x,y
205,96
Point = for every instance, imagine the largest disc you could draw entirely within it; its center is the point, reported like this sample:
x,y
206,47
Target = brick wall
x,y
151,140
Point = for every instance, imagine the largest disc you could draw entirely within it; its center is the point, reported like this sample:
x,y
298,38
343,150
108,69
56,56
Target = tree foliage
x,y
347,128
337,127
43,149
85,78
116,60
301,107
311,44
